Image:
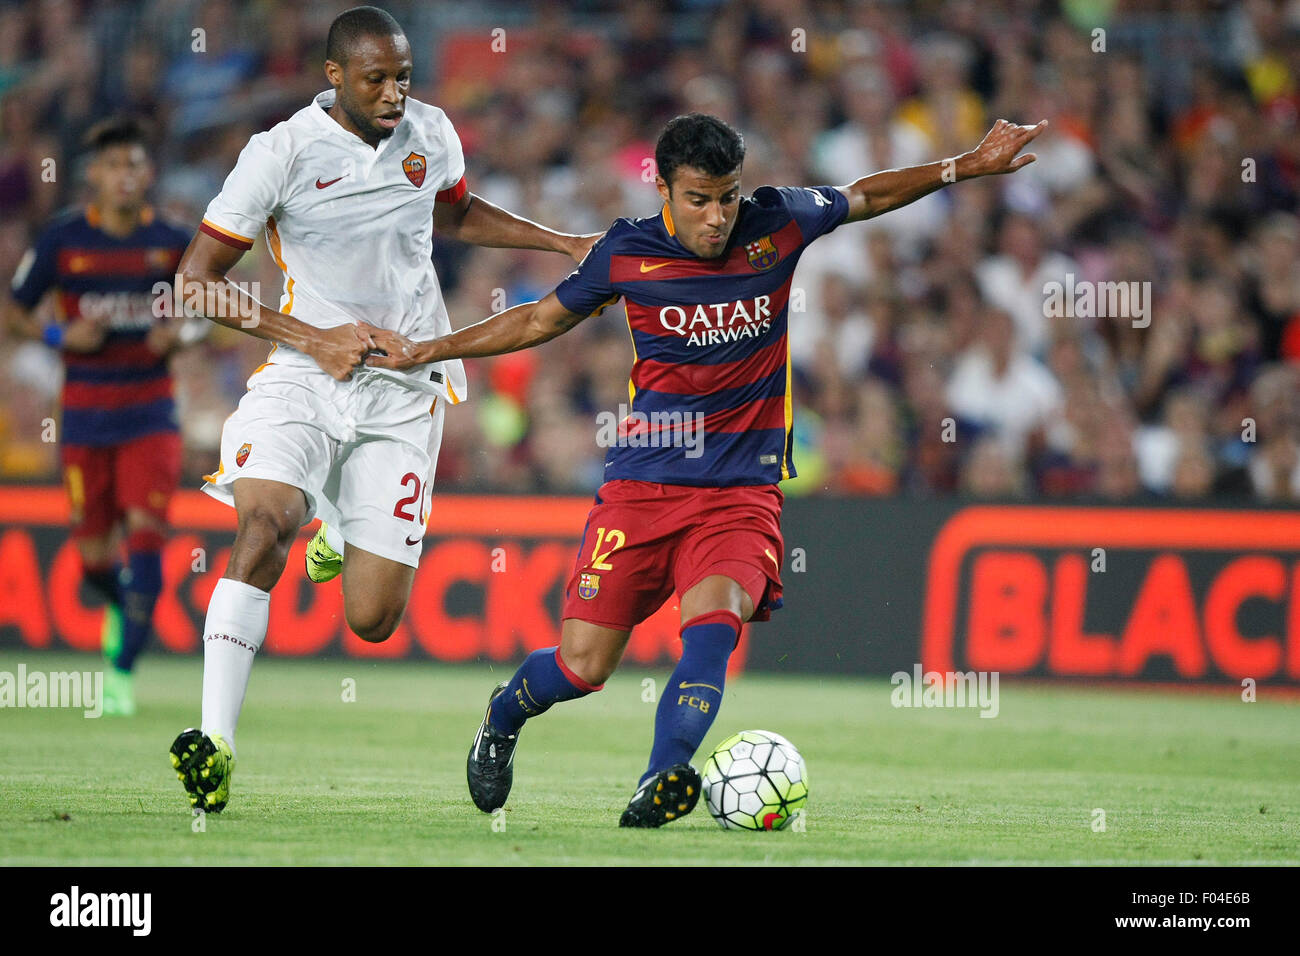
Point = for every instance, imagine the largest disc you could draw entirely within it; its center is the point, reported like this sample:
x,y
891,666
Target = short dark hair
x,y
701,141
351,25
115,131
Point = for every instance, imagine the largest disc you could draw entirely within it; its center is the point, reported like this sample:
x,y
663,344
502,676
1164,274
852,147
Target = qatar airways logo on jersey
x,y
719,322
120,311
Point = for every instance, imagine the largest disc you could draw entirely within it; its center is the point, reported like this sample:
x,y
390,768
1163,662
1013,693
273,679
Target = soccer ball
x,y
755,780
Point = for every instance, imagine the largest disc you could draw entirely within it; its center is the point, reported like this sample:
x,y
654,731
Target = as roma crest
x,y
241,456
588,585
762,253
414,167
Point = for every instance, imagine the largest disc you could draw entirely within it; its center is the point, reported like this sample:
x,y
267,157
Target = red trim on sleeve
x,y
227,238
454,193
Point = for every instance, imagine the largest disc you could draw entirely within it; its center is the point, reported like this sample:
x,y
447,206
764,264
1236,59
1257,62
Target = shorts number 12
x,y
599,559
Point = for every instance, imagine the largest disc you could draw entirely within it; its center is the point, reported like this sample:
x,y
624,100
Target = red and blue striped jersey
x,y
709,339
123,390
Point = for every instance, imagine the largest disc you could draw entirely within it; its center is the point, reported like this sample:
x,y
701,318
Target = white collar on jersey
x,y
325,101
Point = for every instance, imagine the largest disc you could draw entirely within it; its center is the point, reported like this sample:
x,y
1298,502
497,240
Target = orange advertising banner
x,y
1110,593
489,585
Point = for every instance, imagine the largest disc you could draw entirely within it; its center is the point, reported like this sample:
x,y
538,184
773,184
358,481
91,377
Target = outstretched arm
x,y
996,154
518,328
474,220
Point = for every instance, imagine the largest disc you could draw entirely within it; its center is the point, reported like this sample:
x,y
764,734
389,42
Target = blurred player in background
x,y
120,444
691,500
348,192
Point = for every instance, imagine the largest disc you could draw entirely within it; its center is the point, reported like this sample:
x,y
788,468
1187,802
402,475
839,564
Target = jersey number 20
x,y
399,509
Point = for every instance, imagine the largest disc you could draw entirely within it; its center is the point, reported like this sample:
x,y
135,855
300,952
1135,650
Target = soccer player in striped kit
x,y
119,438
706,284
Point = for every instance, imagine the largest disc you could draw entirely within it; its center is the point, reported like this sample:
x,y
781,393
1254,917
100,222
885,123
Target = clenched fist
x,y
340,350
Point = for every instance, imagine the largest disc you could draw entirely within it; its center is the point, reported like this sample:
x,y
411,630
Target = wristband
x,y
52,335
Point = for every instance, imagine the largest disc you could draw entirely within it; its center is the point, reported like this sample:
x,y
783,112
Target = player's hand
x,y
393,350
996,153
579,246
164,338
339,351
84,335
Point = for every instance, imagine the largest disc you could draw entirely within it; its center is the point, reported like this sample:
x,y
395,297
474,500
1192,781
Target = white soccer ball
x,y
756,780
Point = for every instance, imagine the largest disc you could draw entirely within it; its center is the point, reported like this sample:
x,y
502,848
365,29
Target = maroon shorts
x,y
103,482
644,540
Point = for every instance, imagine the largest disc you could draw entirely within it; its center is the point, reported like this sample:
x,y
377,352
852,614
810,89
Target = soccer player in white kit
x,y
347,191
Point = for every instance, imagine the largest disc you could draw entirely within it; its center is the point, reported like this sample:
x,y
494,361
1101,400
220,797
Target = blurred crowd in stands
x,y
927,358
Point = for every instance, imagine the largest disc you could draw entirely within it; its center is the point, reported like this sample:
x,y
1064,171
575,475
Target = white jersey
x,y
350,226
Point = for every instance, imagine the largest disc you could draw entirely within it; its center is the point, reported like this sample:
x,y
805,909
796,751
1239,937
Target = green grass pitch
x,y
1182,778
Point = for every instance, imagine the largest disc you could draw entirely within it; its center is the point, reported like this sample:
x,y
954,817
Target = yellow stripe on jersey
x,y
789,412
631,389
606,304
273,243
668,221
76,487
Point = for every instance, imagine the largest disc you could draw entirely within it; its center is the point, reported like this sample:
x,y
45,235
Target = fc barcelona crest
x,y
241,456
414,167
588,585
762,253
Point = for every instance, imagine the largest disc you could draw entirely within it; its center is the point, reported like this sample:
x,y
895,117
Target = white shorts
x,y
362,451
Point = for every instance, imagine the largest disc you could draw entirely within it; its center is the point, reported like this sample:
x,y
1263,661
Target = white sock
x,y
234,630
334,538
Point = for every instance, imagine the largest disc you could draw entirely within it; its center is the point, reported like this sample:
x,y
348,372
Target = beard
x,y
363,122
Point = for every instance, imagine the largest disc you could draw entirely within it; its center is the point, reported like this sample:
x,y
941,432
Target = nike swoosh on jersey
x,y
321,185
418,539
645,268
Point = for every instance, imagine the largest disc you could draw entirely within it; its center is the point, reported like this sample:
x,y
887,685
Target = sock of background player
x,y
234,630
103,580
543,679
141,585
694,693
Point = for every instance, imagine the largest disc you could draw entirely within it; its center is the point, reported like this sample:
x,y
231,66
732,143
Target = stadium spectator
x,y
990,472
1173,159
996,388
1015,279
